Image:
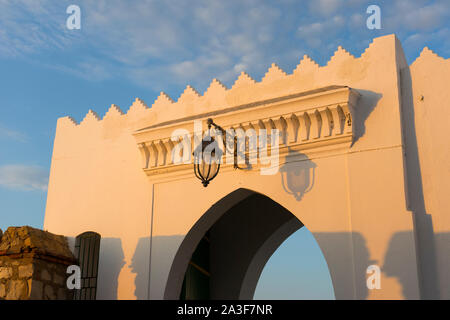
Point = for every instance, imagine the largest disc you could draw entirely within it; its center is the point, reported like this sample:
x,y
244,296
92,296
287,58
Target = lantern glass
x,y
207,160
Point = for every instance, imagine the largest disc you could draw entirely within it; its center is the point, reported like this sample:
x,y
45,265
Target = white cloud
x,y
357,20
185,69
24,178
28,27
150,42
316,32
238,68
325,7
89,69
417,15
12,134
422,39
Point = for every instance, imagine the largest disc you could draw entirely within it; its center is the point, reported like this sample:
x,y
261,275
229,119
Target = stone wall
x,y
33,265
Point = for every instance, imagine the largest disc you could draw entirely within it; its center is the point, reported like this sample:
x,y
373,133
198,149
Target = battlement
x,y
428,55
341,69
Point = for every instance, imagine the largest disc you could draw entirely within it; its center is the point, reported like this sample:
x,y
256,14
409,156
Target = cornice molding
x,y
306,121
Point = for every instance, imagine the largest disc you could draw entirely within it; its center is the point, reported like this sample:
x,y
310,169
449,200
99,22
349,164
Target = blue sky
x,y
296,271
127,49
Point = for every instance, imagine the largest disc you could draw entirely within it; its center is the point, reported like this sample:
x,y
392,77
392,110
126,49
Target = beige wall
x,y
96,184
426,117
357,208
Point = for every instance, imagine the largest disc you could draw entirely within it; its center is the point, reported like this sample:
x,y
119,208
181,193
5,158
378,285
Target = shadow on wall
x,y
140,265
162,250
343,251
297,178
423,225
394,266
298,171
336,247
442,241
347,251
341,259
366,104
110,263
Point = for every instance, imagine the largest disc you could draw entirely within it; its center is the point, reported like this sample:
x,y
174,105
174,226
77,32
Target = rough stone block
x,y
62,294
26,271
33,264
36,290
59,279
45,275
2,290
49,293
17,290
6,272
22,239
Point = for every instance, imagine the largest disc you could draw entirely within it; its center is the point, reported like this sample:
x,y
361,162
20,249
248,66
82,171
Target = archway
x,y
224,253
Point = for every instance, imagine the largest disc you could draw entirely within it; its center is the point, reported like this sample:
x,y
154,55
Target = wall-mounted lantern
x,y
207,156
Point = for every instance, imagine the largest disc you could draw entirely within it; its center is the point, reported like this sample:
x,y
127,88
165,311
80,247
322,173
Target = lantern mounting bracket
x,y
210,123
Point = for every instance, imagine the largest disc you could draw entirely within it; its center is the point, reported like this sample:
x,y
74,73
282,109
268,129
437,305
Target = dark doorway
x,y
197,277
228,260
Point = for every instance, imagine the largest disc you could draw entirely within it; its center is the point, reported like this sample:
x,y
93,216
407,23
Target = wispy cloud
x,y
23,178
12,134
184,41
28,27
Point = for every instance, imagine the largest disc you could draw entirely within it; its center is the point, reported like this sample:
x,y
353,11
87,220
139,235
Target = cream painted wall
x,y
96,184
357,208
426,118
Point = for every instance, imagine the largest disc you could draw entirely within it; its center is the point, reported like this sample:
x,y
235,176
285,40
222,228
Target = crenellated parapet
x,y
429,56
276,82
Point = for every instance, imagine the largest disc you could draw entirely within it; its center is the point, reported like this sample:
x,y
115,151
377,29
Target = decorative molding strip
x,y
305,120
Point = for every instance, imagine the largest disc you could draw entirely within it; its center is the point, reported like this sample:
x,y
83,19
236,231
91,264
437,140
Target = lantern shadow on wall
x,y
297,174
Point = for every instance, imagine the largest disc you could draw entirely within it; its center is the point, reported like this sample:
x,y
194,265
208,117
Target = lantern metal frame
x,y
198,159
205,179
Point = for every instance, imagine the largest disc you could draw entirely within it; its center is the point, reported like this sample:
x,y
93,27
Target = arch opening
x,y
225,252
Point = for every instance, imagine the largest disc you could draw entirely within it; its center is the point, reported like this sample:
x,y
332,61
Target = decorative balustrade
x,y
303,120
